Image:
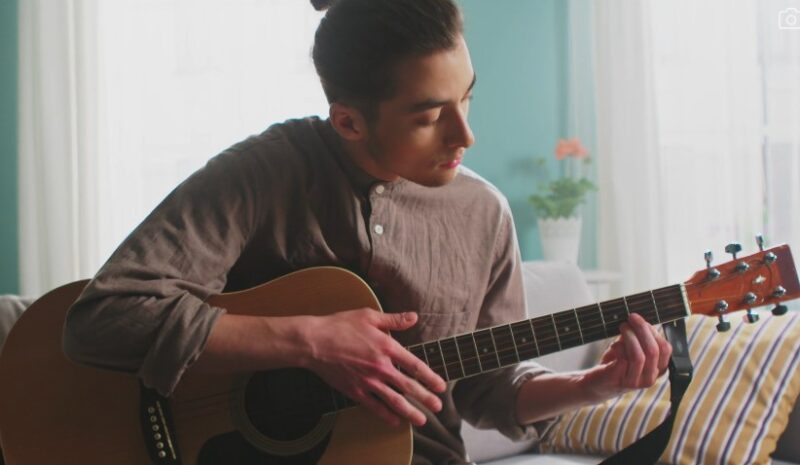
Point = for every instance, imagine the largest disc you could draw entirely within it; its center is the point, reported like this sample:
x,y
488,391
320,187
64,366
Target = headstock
x,y
764,278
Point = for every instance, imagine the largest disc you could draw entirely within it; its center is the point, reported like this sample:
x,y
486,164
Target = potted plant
x,y
556,205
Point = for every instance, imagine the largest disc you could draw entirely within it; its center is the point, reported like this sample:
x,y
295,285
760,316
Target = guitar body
x,y
54,411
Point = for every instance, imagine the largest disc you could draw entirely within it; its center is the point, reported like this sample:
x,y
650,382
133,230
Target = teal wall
x,y
518,50
9,262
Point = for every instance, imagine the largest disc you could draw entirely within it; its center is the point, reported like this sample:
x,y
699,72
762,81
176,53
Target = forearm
x,y
552,394
240,343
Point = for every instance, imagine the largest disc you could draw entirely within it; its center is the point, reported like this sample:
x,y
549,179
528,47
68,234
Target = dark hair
x,y
358,43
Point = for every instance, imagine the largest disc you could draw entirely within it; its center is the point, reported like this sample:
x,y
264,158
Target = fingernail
x,y
408,316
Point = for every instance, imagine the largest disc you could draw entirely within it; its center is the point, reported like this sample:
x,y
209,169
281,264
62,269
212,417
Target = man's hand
x,y
352,352
634,361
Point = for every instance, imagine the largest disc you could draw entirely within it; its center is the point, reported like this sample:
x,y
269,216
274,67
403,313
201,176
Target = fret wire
x,y
558,339
578,323
513,341
460,360
477,352
464,339
647,302
508,353
590,317
444,362
494,343
527,345
639,303
546,339
431,363
625,301
602,318
655,306
447,355
535,341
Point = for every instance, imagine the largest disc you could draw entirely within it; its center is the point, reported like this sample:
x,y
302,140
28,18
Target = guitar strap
x,y
648,448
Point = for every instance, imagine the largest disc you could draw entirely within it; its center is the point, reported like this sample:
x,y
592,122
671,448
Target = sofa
x,y
549,287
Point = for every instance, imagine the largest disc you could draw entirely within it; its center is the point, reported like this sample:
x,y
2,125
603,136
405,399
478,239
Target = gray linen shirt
x,y
291,198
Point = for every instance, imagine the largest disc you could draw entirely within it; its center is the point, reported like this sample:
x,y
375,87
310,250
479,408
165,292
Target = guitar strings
x,y
191,407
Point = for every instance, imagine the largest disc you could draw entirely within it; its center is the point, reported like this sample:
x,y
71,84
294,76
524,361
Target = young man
x,y
377,188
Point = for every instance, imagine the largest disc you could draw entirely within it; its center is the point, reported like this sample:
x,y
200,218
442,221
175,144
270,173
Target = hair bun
x,y
320,5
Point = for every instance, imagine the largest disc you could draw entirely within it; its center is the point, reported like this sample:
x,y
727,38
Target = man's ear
x,y
348,122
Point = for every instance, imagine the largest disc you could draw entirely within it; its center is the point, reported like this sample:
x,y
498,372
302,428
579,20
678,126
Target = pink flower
x,y
570,147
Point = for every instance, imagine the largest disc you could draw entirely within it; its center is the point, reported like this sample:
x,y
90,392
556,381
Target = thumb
x,y
613,352
397,321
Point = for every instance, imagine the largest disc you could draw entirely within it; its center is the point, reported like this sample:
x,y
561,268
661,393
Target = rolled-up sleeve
x,y
145,312
489,400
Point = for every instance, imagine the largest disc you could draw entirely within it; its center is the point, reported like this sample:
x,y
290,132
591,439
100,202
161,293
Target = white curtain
x,y
580,110
631,232
57,148
679,125
122,99
781,60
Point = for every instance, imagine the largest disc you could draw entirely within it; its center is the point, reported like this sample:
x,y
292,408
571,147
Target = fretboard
x,y
488,349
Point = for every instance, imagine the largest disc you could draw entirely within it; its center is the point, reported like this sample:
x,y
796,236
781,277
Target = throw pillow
x,y
745,383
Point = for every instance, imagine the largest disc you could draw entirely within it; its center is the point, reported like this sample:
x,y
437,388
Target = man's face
x,y
422,133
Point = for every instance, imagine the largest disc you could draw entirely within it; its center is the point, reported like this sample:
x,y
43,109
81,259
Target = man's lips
x,y
451,164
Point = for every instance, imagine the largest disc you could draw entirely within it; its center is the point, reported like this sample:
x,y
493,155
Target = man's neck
x,y
362,157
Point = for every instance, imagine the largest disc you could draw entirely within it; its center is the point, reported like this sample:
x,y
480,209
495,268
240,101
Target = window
x,y
179,81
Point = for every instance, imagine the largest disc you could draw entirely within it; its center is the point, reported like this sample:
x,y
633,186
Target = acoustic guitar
x,y
53,411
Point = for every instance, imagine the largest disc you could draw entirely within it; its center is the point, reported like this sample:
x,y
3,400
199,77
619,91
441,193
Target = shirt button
x,y
379,189
378,229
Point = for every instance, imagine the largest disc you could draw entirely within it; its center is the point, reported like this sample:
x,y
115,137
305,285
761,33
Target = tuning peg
x,y
760,242
713,273
779,291
733,248
750,317
723,325
779,310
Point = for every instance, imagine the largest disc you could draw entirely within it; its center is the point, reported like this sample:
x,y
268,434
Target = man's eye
x,y
427,122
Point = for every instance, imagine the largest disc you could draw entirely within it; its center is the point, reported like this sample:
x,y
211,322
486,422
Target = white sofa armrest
x,y
549,287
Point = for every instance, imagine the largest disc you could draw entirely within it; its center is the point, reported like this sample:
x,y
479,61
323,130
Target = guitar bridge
x,y
155,418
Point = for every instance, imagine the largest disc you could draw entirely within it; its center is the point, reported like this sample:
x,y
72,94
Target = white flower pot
x,y
560,238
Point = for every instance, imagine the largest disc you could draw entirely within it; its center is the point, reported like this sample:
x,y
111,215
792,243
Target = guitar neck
x,y
488,349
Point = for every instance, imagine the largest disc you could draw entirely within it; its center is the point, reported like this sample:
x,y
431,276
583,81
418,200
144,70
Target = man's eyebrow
x,y
431,103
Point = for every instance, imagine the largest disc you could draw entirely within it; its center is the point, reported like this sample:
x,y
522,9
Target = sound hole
x,y
286,404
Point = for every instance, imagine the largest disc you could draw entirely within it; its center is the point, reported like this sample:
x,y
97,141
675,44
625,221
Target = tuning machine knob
x,y
724,324
750,317
733,248
713,273
779,310
760,242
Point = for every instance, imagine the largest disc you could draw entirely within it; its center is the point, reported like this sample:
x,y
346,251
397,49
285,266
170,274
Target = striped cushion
x,y
745,384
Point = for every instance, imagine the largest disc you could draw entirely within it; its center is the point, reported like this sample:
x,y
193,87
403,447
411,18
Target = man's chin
x,y
441,179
